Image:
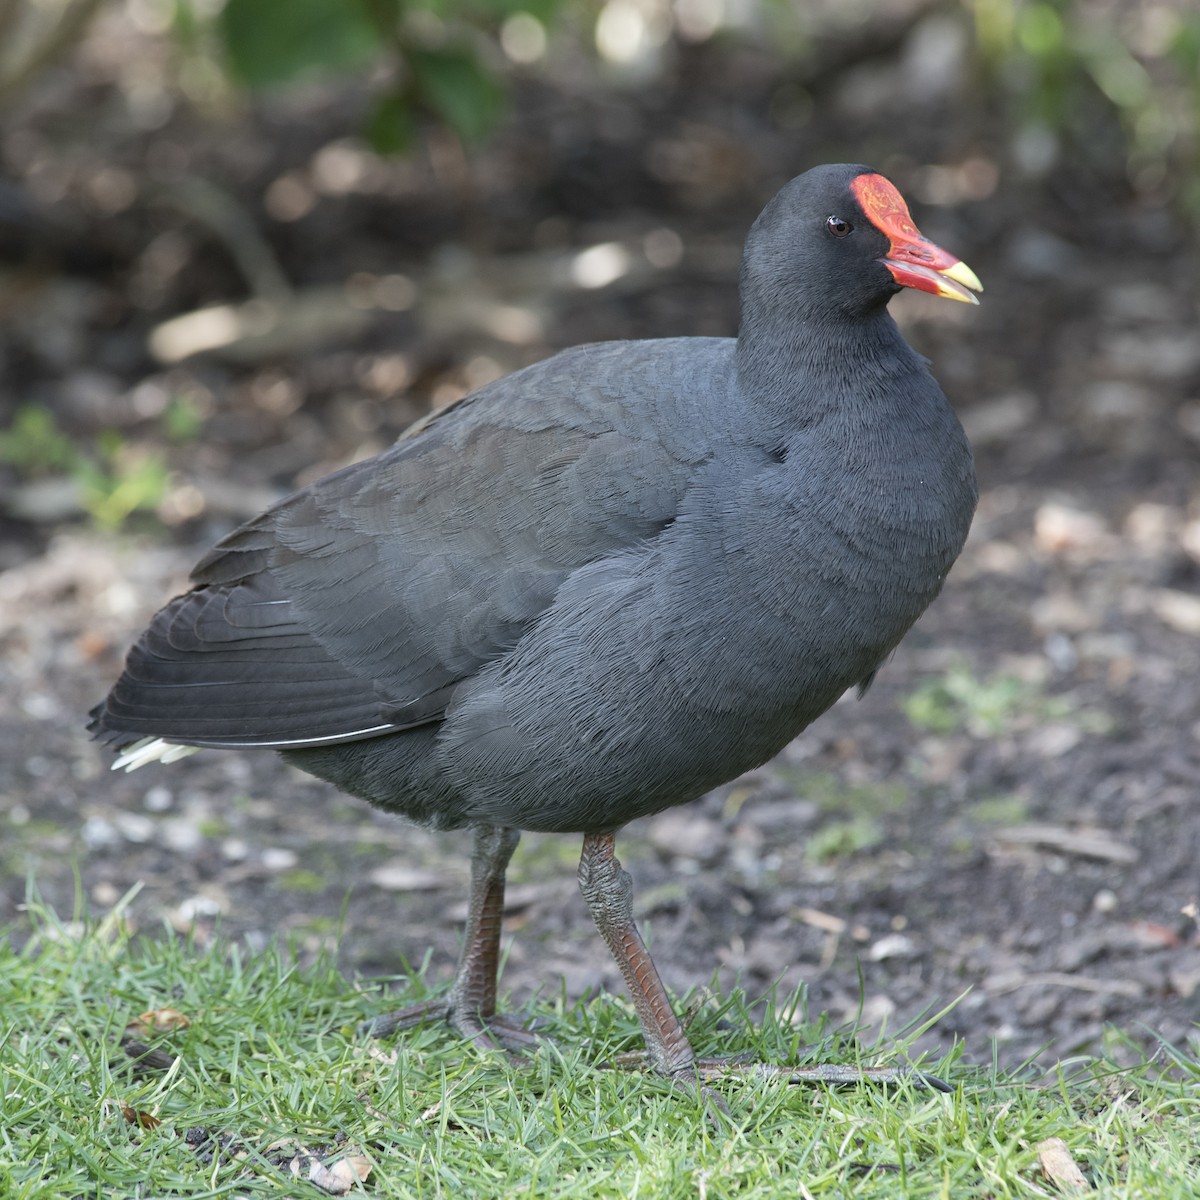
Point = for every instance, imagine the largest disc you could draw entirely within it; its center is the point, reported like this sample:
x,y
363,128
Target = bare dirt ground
x,y
1010,812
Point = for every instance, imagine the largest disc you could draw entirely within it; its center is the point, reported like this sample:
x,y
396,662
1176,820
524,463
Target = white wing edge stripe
x,y
150,750
317,741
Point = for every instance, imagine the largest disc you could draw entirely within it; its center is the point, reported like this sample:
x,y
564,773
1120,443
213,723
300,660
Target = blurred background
x,y
244,243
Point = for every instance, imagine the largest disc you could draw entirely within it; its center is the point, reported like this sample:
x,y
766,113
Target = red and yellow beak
x,y
913,260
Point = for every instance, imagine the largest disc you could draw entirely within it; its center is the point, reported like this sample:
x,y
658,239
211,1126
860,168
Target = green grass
x,y
270,1063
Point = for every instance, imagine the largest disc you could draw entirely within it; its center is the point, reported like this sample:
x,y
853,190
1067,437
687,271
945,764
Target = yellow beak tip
x,y
963,274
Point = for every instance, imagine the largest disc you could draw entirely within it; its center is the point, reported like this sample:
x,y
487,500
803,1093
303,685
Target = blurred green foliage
x,y
34,445
120,481
115,480
277,41
183,418
1118,81
435,59
960,700
842,839
1116,84
1109,80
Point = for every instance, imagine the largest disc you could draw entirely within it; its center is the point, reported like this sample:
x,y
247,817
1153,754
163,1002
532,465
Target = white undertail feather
x,y
150,750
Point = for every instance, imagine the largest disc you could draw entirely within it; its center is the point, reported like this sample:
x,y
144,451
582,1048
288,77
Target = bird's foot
x,y
692,1080
744,1067
682,1074
494,1032
708,1070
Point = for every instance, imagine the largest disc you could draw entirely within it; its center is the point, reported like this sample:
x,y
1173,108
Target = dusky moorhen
x,y
598,587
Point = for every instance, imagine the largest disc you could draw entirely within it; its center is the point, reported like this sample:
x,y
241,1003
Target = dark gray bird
x,y
597,588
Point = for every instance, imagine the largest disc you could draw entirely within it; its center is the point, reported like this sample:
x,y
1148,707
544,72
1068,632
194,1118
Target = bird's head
x,y
839,239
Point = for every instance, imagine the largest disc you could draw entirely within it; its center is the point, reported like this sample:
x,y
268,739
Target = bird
x,y
597,588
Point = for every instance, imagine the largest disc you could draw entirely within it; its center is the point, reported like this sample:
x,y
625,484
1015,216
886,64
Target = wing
x,y
356,606
232,667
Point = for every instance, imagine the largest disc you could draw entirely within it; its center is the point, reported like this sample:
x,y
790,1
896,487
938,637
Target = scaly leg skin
x,y
470,1006
608,890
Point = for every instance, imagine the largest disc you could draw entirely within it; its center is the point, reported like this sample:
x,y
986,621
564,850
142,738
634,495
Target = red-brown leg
x,y
608,890
470,1006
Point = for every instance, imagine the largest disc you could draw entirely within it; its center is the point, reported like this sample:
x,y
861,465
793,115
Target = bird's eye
x,y
838,226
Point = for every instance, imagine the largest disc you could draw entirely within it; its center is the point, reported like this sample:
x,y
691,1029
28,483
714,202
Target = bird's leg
x,y
474,989
608,890
470,1006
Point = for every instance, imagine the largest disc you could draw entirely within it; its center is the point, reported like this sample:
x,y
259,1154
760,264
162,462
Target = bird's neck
x,y
801,371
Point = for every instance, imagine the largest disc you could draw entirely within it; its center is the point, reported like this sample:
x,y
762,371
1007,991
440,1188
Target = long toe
x,y
514,1035
506,1033
828,1073
405,1018
496,1032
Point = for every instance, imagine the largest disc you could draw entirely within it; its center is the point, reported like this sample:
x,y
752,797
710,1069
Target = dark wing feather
x,y
230,667
357,605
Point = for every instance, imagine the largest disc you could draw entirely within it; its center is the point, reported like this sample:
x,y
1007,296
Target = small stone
x,y
1059,1168
1183,974
196,907
97,833
783,815
877,1009
765,955
687,835
257,940
1187,417
44,501
182,836
1107,646
40,706
1189,540
278,858
235,850
1038,1006
135,827
892,945
158,799
1053,741
1061,612
1058,529
1179,610
1060,652
401,876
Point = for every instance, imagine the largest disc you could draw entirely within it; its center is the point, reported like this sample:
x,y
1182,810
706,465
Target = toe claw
x,y
935,1083
488,1033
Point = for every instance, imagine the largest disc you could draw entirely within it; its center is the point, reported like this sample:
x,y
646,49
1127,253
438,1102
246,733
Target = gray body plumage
x,y
592,590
